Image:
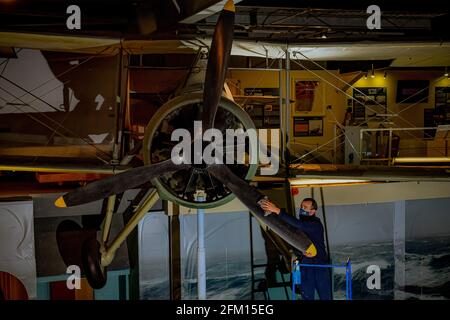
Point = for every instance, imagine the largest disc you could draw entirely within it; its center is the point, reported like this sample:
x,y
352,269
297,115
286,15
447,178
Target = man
x,y
312,278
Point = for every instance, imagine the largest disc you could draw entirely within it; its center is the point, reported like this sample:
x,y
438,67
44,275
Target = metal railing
x,y
386,144
296,276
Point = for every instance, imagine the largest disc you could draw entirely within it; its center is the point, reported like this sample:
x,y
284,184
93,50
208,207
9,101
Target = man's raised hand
x,y
266,205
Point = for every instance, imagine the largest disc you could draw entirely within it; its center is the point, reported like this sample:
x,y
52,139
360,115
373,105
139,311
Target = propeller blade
x,y
116,184
216,68
249,196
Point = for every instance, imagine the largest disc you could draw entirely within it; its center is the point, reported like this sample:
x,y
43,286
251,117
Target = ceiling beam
x,y
198,10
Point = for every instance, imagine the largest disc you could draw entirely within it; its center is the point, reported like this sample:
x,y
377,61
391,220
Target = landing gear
x,y
70,237
96,275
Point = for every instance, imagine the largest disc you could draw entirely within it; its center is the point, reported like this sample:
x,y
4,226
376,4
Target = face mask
x,y
303,212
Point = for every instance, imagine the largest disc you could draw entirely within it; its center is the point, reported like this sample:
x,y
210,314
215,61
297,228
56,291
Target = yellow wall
x,y
410,116
329,96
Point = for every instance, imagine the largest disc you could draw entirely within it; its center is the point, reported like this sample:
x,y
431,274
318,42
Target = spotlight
x,y
446,72
365,76
373,72
385,75
324,36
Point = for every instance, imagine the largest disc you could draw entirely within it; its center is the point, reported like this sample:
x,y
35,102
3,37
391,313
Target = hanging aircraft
x,y
220,182
179,182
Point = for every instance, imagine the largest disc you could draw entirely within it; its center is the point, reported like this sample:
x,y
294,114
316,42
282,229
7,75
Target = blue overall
x,y
312,278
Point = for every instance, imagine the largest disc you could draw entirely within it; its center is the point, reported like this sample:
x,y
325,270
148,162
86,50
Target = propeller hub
x,y
180,186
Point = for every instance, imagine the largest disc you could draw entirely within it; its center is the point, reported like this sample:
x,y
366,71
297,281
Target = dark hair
x,y
313,202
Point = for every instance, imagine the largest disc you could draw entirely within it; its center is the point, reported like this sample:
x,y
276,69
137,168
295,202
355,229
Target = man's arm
x,y
266,205
289,219
305,227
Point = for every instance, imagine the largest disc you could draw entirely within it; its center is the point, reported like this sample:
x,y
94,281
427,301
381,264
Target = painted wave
x,y
427,274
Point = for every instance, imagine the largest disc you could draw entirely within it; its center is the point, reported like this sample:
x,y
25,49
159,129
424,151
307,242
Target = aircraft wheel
x,y
95,273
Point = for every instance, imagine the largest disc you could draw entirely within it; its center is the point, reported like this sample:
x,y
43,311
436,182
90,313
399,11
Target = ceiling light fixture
x,y
373,72
385,75
365,76
446,72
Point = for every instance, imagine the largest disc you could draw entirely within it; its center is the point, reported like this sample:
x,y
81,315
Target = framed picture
x,y
309,96
369,102
442,97
412,91
308,126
